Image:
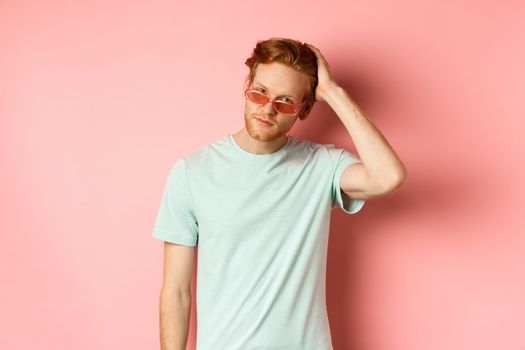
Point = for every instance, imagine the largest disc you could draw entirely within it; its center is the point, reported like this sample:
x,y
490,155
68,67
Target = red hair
x,y
293,54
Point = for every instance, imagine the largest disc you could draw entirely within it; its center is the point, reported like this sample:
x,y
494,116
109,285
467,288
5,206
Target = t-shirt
x,y
261,225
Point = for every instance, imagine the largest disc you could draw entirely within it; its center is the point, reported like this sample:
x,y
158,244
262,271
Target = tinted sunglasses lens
x,y
285,108
282,107
256,97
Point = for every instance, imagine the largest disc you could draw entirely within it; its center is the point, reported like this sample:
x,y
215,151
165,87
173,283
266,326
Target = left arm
x,y
381,170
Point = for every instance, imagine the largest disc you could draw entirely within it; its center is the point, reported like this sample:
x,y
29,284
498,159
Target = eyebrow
x,y
290,96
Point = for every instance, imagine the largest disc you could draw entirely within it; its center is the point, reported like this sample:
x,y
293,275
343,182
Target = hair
x,y
293,54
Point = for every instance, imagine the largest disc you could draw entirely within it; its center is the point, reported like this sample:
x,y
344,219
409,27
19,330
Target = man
x,y
258,203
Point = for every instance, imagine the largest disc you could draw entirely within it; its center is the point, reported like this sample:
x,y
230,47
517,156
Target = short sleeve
x,y
176,221
342,159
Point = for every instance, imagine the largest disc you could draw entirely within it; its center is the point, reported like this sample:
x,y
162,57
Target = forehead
x,y
280,80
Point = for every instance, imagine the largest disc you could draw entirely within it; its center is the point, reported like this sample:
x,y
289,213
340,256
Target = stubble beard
x,y
260,132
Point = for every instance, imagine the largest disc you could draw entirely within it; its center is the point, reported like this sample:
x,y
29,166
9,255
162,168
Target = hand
x,y
324,78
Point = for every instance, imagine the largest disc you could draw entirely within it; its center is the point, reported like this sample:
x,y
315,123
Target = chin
x,y
262,134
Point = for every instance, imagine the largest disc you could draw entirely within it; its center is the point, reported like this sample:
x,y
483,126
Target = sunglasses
x,y
285,108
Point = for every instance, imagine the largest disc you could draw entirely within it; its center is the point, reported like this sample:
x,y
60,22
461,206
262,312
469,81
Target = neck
x,y
257,146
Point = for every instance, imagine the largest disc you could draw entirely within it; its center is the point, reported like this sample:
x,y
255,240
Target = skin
x,y
381,170
175,296
278,80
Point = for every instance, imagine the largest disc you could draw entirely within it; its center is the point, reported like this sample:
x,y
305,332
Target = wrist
x,y
333,91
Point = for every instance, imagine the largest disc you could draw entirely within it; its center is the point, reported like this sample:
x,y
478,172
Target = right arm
x,y
175,296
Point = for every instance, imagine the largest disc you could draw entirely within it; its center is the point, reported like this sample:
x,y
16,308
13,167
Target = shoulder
x,y
202,156
306,145
319,150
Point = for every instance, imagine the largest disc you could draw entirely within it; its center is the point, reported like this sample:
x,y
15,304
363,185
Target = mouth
x,y
264,122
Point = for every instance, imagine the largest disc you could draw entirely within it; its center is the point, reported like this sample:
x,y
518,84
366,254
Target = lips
x,y
264,121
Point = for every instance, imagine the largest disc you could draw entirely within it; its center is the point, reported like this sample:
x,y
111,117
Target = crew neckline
x,y
247,154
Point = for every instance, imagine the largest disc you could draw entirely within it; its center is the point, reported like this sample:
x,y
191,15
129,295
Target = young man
x,y
258,203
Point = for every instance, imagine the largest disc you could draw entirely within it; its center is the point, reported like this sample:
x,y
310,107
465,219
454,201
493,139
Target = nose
x,y
268,108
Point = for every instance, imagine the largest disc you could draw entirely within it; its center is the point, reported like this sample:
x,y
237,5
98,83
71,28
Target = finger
x,y
317,52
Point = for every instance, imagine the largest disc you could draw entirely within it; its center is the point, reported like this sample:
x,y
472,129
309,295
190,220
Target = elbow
x,y
396,180
175,292
172,299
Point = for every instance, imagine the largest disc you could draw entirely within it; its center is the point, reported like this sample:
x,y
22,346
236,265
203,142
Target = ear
x,y
305,113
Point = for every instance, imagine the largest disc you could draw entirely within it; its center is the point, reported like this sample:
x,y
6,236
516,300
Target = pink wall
x,y
98,98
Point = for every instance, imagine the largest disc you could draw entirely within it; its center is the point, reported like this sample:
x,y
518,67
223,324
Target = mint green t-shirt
x,y
261,225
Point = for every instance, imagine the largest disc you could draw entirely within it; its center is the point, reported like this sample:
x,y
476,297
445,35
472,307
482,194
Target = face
x,y
276,81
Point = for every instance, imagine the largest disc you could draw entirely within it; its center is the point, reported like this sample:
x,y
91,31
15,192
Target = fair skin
x,y
277,80
381,170
380,173
175,296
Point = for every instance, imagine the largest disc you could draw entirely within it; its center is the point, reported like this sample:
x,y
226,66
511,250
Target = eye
x,y
259,89
287,100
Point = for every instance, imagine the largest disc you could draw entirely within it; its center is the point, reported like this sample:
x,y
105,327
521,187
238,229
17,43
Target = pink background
x,y
99,98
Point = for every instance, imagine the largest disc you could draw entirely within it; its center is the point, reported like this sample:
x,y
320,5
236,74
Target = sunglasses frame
x,y
273,101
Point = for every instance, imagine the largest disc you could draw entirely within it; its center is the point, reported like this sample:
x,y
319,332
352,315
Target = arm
x,y
355,183
175,296
381,170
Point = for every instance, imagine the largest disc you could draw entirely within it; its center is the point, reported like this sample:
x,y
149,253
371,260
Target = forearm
x,y
379,159
174,317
